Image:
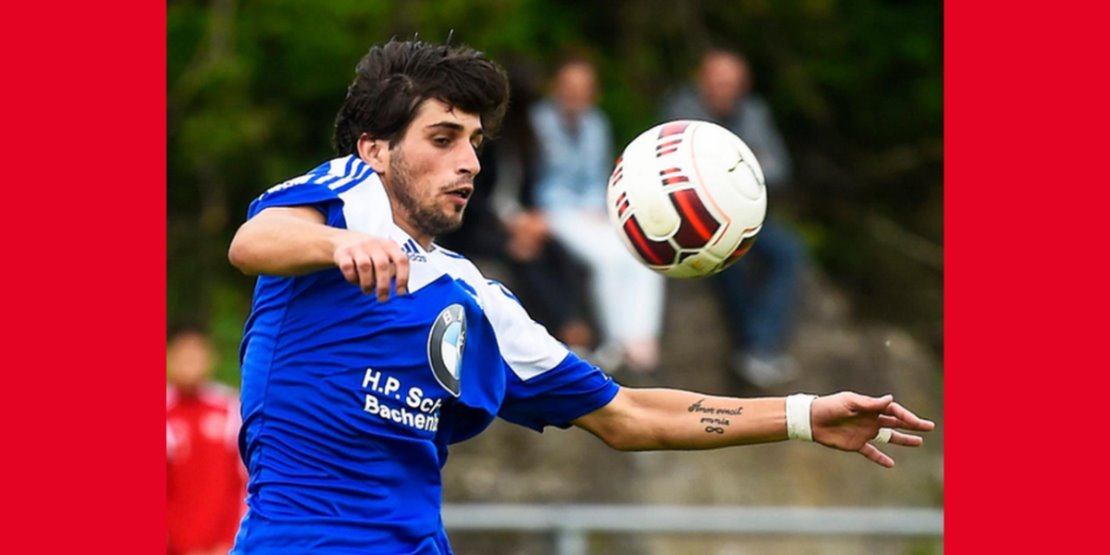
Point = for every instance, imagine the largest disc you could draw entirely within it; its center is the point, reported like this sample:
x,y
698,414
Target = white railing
x,y
570,524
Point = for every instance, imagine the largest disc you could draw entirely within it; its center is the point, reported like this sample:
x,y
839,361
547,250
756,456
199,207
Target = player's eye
x,y
441,141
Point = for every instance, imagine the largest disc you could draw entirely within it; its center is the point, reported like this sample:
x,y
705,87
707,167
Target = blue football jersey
x,y
349,404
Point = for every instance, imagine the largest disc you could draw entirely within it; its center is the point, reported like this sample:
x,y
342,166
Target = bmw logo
x,y
445,347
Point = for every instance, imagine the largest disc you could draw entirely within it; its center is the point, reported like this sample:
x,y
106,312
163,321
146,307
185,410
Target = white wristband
x,y
797,416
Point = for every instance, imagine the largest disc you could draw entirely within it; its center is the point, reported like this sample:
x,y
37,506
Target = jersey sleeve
x,y
307,190
568,391
546,385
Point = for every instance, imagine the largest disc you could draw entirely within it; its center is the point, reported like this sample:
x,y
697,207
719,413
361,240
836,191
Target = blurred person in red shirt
x,y
206,482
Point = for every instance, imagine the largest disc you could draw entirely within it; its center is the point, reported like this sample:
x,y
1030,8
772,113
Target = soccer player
x,y
369,349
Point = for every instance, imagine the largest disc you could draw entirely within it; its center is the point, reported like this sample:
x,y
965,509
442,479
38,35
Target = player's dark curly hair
x,y
393,79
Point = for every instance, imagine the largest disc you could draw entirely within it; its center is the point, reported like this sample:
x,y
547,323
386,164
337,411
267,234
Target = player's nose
x,y
468,163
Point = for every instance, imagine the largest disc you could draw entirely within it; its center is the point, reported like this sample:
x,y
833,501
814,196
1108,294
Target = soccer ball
x,y
687,198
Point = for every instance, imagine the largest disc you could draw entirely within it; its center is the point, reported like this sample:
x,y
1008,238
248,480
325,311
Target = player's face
x,y
430,172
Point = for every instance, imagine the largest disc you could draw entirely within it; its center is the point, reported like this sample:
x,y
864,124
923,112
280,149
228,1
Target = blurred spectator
x,y
502,222
205,481
576,159
760,292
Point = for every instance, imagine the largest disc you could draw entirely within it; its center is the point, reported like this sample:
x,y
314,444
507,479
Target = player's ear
x,y
374,152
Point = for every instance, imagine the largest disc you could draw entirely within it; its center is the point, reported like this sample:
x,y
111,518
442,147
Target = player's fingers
x,y
897,424
383,272
906,440
874,455
909,420
890,422
890,435
365,266
346,264
400,265
874,404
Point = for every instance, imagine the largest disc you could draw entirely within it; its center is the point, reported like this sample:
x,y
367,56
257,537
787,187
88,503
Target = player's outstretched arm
x,y
650,419
291,241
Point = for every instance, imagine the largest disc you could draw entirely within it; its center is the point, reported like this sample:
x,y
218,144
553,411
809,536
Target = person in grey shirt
x,y
759,292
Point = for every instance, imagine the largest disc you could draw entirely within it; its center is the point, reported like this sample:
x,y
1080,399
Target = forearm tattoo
x,y
716,419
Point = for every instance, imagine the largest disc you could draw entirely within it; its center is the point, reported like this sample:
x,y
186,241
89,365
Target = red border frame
x,y
1025,303
85,167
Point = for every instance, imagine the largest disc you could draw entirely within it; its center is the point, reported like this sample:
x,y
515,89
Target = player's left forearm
x,y
651,419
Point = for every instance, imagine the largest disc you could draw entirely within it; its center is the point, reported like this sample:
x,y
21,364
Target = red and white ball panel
x,y
687,198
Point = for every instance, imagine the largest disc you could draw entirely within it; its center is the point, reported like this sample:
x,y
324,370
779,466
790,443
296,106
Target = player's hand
x,y
850,422
372,263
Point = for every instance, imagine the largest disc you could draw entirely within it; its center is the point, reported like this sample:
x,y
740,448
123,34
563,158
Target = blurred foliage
x,y
856,87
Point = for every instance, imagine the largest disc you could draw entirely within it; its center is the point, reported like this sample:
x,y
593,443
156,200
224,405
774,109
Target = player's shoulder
x,y
346,189
338,175
525,345
462,268
453,255
457,265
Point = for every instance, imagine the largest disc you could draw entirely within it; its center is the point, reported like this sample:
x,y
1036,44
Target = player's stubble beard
x,y
428,219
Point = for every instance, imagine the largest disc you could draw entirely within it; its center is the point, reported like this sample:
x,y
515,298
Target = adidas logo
x,y
412,250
